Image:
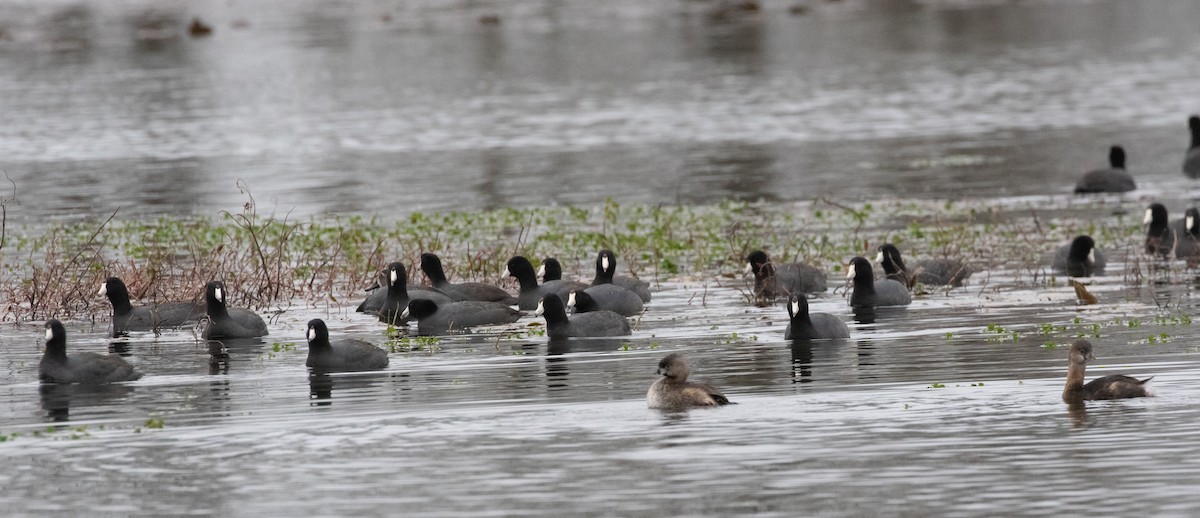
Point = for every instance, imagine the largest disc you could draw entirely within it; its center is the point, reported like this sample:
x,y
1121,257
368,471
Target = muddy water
x,y
383,108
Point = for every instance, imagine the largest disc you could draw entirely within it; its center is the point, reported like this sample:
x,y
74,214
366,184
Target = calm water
x,y
388,107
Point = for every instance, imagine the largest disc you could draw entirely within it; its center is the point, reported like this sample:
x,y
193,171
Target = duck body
x,y
344,355
1080,258
56,366
592,324
1112,180
126,317
225,324
1115,386
606,268
772,281
1191,159
431,265
674,392
803,325
931,272
439,319
869,292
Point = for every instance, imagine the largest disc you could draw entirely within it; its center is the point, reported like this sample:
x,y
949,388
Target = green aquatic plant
x,y
733,338
998,333
413,343
269,261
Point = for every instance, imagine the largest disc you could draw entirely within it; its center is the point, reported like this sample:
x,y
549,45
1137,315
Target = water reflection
x,y
320,388
495,169
731,34
154,29
1077,411
865,315
558,360
222,353
746,171
58,398
70,31
802,359
120,347
321,385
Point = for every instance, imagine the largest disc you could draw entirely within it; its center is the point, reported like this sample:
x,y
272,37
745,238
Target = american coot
x,y
811,326
550,270
606,268
591,324
432,266
398,295
871,293
1160,240
1081,258
88,368
771,280
615,298
344,355
674,392
379,293
224,323
1115,386
531,292
1113,179
127,318
931,272
581,302
1188,244
551,273
1191,161
439,319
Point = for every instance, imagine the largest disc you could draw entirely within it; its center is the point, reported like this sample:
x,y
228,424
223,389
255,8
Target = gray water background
x,y
384,108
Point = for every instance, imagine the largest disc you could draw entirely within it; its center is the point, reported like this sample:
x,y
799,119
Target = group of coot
x,y
1116,179
602,308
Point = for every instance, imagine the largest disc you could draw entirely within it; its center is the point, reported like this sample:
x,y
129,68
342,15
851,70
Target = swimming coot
x,y
223,323
1113,179
379,293
931,272
398,295
1191,161
86,368
803,325
439,319
1081,258
591,324
1188,244
432,266
1160,240
772,281
344,355
606,269
126,317
871,293
530,291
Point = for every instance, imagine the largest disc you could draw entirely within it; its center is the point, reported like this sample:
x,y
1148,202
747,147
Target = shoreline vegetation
x,y
272,262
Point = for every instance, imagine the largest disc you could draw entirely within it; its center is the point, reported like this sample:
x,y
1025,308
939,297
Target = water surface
x,y
385,108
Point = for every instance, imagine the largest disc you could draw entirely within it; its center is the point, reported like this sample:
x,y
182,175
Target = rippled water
x,y
901,415
391,107
384,108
